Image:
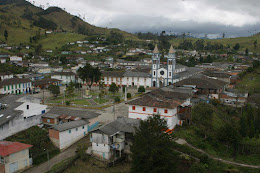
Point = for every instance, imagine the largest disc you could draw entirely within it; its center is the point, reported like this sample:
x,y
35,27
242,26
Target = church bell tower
x,y
171,61
155,67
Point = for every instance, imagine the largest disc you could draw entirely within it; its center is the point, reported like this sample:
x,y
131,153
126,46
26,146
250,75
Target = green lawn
x,y
101,101
80,102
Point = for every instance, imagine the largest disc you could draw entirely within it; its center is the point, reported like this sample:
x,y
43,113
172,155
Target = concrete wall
x,y
18,124
34,109
21,158
67,139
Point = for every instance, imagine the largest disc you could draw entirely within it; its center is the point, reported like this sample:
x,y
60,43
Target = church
x,y
158,75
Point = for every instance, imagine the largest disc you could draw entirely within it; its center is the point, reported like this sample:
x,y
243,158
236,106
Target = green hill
x,y
23,20
244,42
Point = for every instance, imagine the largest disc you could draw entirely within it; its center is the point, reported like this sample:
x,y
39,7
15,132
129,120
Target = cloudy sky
x,y
234,17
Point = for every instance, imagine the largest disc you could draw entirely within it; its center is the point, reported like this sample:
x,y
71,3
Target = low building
x,y
65,77
19,113
15,86
14,156
15,58
233,97
64,115
171,104
114,139
45,83
66,134
204,85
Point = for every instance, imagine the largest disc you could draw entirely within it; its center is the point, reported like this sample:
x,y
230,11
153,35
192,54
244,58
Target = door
x,y
13,167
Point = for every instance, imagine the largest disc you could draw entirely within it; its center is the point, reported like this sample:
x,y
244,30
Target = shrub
x,y
141,89
117,99
67,103
128,95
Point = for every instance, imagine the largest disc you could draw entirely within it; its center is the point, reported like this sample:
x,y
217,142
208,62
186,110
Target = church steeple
x,y
171,61
171,51
156,49
155,67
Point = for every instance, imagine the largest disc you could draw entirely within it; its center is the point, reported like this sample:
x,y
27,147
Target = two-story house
x,y
114,139
15,86
65,77
166,102
14,156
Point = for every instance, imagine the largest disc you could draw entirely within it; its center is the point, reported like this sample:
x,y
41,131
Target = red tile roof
x,y
8,148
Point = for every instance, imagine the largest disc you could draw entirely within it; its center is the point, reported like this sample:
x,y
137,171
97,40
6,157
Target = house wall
x,y
101,145
64,79
34,109
52,121
171,116
7,76
18,124
21,158
54,137
67,139
16,88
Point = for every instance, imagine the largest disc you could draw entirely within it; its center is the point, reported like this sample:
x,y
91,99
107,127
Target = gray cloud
x,y
234,17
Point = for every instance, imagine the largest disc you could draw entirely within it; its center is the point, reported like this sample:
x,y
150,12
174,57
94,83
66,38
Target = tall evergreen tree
x,y
152,149
6,35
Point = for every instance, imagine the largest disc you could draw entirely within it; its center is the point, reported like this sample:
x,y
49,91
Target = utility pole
x,y
43,95
48,161
114,109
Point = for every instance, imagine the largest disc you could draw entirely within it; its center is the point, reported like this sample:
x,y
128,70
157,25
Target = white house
x,y
16,58
112,140
19,113
65,77
171,104
15,86
66,134
4,76
14,156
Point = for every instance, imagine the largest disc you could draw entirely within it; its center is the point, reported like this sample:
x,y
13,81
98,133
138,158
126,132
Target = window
x,y
76,129
170,73
166,111
133,107
48,120
154,73
144,108
4,88
154,110
83,127
69,131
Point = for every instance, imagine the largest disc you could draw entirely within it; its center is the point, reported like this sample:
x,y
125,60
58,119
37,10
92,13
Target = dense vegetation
x,y
41,143
12,69
225,132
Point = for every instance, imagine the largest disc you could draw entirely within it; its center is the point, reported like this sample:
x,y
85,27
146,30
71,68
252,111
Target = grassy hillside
x,y
23,20
244,42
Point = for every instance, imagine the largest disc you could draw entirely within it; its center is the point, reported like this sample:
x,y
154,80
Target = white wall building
x,y
66,134
15,86
65,77
167,102
16,58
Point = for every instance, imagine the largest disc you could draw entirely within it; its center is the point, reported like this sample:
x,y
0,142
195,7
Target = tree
x,y
197,168
113,88
70,89
54,89
255,44
202,115
223,35
152,147
38,49
141,89
236,47
117,99
5,35
246,51
89,74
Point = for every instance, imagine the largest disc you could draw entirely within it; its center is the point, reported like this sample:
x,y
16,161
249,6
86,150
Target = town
x,y
109,101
